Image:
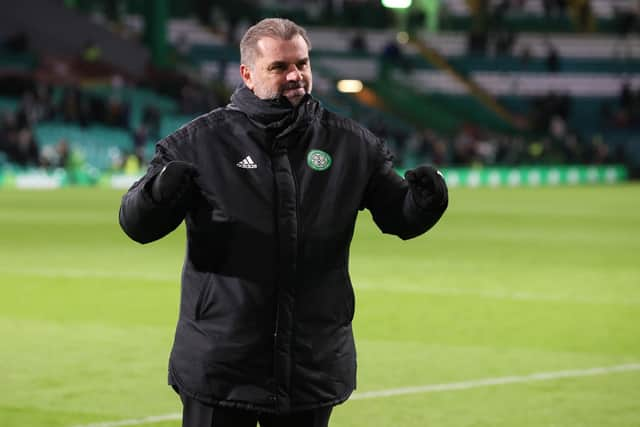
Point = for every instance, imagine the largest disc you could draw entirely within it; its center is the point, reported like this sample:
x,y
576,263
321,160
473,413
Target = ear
x,y
245,73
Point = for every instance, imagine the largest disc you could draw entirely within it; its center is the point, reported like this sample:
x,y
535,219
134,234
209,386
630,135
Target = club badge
x,y
318,160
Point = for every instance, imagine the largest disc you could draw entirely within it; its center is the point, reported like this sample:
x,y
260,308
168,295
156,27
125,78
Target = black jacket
x,y
267,303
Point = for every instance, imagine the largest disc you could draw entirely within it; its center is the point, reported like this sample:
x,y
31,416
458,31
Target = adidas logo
x,y
247,163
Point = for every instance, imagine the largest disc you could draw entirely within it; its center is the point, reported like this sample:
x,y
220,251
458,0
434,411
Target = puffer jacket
x,y
266,298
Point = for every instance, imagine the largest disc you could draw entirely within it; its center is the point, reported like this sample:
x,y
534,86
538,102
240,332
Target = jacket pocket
x,y
350,300
204,298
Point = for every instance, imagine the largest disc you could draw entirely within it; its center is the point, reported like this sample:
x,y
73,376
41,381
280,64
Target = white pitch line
x,y
432,388
137,421
87,274
465,385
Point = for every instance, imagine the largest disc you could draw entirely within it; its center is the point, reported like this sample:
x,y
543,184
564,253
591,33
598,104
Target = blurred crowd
x,y
74,105
473,146
550,137
552,142
37,104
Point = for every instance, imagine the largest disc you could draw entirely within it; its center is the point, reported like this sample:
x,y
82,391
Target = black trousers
x,y
197,414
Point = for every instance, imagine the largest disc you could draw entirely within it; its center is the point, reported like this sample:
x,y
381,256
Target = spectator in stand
x,y
23,149
626,113
553,58
626,21
131,165
4,133
524,56
151,120
582,14
427,146
392,57
358,43
554,8
75,108
63,149
498,14
439,152
116,112
626,96
465,145
57,156
635,109
597,151
572,149
35,106
504,41
509,150
416,20
91,52
140,138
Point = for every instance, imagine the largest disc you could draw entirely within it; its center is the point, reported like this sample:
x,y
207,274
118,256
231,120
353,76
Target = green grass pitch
x,y
511,282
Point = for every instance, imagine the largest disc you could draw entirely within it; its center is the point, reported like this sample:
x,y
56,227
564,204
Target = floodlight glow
x,y
349,86
396,4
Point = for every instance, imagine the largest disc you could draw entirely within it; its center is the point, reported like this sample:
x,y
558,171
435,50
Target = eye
x,y
278,67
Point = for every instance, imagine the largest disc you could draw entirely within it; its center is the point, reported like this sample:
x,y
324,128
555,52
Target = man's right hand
x,y
174,183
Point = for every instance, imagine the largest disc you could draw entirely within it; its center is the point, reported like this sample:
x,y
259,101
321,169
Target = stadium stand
x,y
486,83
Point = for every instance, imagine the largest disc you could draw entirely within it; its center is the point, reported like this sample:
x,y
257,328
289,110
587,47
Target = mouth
x,y
295,89
299,91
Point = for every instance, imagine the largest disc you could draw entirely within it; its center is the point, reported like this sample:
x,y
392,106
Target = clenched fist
x,y
427,186
174,183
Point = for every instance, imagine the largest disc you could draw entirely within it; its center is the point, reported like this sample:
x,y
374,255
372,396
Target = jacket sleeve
x,y
141,218
391,203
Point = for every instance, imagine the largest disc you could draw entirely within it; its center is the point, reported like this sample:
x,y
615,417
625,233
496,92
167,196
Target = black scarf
x,y
273,115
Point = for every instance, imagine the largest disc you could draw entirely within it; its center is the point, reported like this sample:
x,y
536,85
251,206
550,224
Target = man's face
x,y
281,67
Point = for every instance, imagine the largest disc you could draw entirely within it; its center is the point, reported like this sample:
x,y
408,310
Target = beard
x,y
272,94
293,85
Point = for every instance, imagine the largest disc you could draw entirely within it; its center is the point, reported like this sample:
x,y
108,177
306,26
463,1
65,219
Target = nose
x,y
294,74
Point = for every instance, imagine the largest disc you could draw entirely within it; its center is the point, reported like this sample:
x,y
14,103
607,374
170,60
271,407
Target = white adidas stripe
x,y
432,388
247,163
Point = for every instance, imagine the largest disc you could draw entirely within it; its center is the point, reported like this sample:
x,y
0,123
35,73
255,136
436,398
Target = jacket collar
x,y
276,116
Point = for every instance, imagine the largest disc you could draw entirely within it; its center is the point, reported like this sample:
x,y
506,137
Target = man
x,y
270,187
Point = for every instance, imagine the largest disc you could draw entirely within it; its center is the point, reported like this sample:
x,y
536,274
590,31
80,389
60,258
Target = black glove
x,y
174,183
427,186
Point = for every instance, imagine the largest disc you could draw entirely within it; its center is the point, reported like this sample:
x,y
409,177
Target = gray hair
x,y
277,28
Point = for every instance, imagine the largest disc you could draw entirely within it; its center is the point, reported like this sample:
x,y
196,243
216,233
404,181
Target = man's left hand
x,y
427,186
